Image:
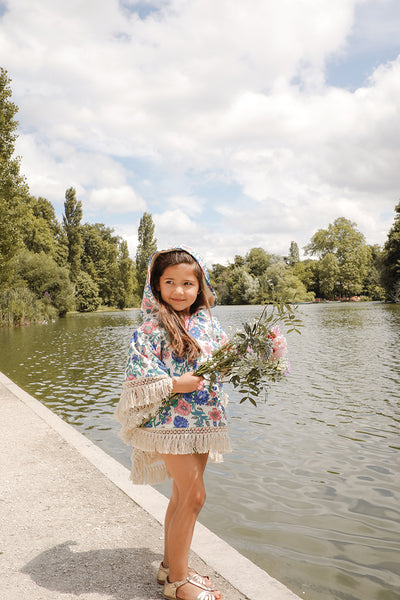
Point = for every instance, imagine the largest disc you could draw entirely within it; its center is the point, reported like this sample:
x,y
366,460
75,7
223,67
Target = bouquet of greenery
x,y
255,355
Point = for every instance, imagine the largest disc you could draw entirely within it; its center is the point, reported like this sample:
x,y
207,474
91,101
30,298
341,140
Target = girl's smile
x,y
179,286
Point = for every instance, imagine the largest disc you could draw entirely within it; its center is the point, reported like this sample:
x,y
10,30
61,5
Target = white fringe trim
x,y
148,466
141,398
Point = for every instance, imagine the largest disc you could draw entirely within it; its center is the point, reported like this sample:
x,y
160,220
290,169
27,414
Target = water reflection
x,y
311,491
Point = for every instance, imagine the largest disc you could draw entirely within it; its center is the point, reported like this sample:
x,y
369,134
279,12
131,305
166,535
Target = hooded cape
x,y
196,422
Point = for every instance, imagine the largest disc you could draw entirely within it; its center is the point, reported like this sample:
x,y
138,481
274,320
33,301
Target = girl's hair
x,y
182,343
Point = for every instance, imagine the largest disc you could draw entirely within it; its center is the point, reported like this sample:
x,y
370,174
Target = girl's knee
x,y
196,498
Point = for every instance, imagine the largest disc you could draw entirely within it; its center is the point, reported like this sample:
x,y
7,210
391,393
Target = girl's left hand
x,y
186,383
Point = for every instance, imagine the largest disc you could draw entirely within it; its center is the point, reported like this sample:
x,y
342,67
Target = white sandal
x,y
163,573
170,589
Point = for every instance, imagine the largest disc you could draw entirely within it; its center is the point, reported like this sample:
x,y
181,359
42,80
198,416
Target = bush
x,y
47,280
19,306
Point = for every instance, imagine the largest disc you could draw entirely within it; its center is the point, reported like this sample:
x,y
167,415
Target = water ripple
x,y
311,491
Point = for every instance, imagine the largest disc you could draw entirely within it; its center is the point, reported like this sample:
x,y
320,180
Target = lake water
x,y
311,491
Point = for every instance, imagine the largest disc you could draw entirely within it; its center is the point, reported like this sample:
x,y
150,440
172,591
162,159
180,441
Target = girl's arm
x,y
186,383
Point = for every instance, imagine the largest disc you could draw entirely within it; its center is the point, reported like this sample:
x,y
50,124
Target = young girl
x,y
175,439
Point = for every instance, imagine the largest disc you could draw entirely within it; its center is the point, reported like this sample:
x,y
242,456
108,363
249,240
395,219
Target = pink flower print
x,y
215,414
149,327
201,385
207,348
183,408
147,304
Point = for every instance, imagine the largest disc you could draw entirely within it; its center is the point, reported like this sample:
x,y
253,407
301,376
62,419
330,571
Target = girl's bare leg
x,y
188,496
172,506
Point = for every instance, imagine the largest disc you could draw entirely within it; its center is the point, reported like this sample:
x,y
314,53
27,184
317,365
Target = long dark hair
x,y
182,343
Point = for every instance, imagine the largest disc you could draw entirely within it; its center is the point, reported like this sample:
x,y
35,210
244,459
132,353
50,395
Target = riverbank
x,y
73,524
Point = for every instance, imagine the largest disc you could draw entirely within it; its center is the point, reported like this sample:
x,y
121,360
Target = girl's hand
x,y
186,383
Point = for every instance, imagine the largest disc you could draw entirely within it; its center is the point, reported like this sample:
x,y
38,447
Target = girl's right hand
x,y
186,383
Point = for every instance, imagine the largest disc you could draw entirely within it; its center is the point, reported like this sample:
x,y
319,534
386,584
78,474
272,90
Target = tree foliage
x,y
258,278
147,244
106,259
87,293
343,241
14,194
391,260
45,278
294,254
72,226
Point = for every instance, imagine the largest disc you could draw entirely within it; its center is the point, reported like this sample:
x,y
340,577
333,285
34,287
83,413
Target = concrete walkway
x,y
73,525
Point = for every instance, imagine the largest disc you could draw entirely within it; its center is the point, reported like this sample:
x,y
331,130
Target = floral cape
x,y
151,366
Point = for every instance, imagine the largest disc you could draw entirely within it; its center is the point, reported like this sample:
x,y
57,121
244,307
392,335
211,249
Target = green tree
x,y
100,260
127,277
147,244
347,244
86,293
257,261
219,275
294,254
72,226
391,260
307,272
243,287
328,273
14,193
106,259
44,232
47,280
372,287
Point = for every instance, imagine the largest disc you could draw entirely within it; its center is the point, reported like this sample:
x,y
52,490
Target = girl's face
x,y
179,287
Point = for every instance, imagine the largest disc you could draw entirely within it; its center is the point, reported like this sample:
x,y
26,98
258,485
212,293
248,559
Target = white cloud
x,y
121,199
199,92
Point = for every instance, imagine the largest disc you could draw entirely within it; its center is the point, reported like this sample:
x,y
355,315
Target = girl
x,y
175,439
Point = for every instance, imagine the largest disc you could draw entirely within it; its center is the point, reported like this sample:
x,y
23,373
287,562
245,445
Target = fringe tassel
x,y
182,441
140,400
148,466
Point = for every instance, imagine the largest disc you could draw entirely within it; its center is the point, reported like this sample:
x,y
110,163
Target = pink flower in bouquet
x,y
279,347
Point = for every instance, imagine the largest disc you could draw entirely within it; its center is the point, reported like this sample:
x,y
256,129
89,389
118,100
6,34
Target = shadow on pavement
x,y
120,573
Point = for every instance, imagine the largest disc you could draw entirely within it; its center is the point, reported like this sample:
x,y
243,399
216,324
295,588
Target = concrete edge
x,y
239,571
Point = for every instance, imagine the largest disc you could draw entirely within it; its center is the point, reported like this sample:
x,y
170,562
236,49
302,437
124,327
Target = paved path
x,y
73,525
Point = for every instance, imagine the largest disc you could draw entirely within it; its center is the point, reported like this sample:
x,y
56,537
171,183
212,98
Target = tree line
x,y
340,265
48,268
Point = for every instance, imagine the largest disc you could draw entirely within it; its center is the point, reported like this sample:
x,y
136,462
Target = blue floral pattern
x,y
150,356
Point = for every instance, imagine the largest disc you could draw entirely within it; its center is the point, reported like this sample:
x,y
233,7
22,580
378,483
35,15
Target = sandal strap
x,y
201,579
198,584
206,594
178,584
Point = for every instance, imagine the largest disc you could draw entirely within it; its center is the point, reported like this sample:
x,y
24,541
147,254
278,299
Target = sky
x,y
235,124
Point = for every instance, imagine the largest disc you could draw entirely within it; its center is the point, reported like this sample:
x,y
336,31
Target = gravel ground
x,y
67,531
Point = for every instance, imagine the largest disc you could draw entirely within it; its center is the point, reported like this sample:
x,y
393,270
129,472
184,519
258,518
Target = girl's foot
x,y
164,571
189,589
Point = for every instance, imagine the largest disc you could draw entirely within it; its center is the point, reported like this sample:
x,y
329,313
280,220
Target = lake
x,y
311,491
